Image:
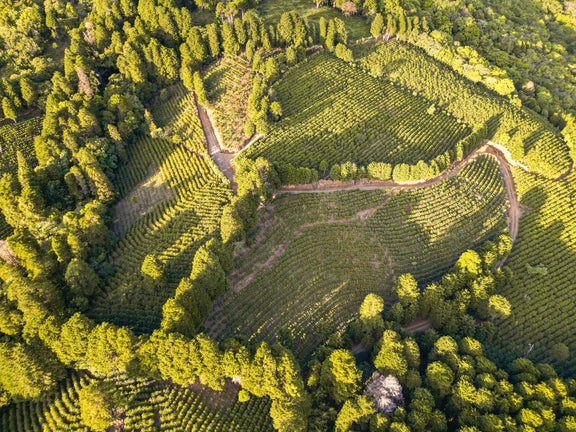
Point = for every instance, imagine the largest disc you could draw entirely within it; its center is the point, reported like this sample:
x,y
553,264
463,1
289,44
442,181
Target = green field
x,y
529,138
543,303
335,112
151,406
171,200
315,256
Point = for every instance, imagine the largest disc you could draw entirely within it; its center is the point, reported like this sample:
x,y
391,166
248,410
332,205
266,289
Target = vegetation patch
x,y
141,405
186,194
335,112
315,256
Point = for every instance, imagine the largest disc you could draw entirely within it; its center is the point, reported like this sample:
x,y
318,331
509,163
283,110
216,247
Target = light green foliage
x,y
499,307
340,376
81,278
110,349
391,358
28,371
96,403
353,411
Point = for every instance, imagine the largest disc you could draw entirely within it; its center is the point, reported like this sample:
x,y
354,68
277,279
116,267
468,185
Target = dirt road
x,y
485,148
221,159
224,163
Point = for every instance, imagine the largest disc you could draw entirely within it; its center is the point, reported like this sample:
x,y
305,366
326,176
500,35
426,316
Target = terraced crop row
x,y
543,304
172,198
179,119
335,112
149,406
316,255
533,141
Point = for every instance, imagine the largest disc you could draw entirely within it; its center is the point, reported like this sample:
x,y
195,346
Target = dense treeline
x,y
399,381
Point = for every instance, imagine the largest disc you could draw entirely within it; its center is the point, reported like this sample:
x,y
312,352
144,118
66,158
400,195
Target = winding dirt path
x,y
485,148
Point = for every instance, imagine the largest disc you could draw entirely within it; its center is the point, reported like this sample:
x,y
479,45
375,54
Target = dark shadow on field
x,y
358,138
542,305
535,198
212,83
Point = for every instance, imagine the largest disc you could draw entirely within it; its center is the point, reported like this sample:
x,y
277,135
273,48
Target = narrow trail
x,y
221,159
419,325
485,148
239,284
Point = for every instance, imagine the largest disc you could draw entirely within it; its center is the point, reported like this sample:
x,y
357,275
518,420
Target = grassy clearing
x,y
316,256
272,10
338,113
172,198
228,83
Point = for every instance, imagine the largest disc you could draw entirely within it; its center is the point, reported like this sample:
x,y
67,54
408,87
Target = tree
x,y
276,110
213,40
229,43
231,225
208,273
560,352
340,376
354,410
439,377
406,289
499,307
322,29
199,89
349,8
28,371
153,269
377,26
110,349
271,69
97,402
9,109
187,75
391,359
28,92
469,263
330,40
82,279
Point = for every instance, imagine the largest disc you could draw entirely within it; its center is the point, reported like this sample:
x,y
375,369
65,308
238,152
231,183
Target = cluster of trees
x,y
445,383
333,35
518,52
192,302
467,292
289,174
117,55
256,180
